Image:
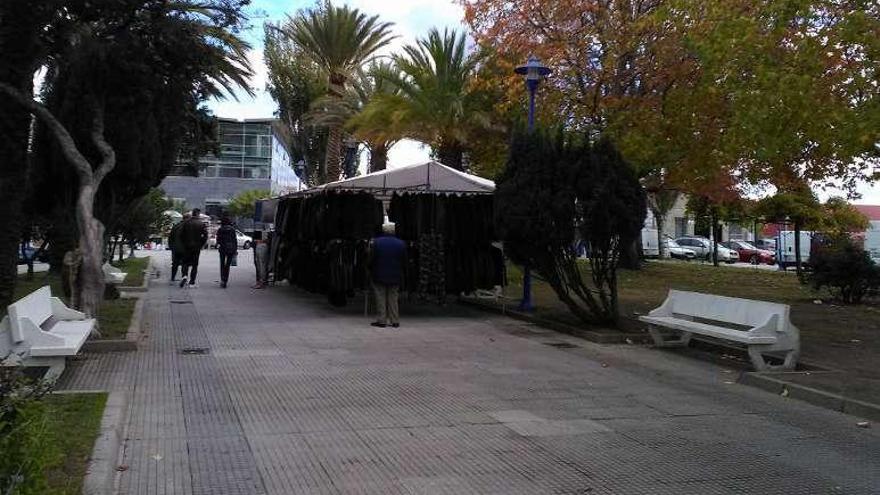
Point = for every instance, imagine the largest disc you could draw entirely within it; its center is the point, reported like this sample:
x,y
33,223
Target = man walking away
x,y
388,258
193,236
176,246
227,246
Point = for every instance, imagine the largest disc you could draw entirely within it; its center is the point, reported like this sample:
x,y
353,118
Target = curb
x,y
101,472
131,335
821,398
592,336
145,286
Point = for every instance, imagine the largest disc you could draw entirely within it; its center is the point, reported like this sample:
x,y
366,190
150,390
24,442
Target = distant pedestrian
x,y
176,246
193,236
261,260
227,246
388,256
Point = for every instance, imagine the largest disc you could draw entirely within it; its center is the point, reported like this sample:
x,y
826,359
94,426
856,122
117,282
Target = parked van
x,y
785,253
872,240
650,249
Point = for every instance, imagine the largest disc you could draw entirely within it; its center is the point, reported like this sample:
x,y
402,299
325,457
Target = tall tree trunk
x,y
797,250
333,160
714,240
662,252
378,157
91,230
91,238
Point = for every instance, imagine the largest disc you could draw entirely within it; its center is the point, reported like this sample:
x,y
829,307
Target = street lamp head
x,y
534,70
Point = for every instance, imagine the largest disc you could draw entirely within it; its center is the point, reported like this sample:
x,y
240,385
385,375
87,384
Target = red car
x,y
749,253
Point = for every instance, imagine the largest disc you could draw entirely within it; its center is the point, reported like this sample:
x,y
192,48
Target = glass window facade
x,y
245,151
251,156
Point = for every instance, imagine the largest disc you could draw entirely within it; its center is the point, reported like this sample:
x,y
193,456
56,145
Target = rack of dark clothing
x,y
450,243
323,242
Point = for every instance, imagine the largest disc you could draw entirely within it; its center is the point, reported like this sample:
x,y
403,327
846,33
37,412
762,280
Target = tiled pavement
x,y
296,397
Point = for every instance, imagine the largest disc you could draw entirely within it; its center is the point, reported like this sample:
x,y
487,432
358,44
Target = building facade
x,y
253,156
679,223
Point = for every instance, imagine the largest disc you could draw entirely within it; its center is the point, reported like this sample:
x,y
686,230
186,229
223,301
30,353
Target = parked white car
x,y
678,252
244,241
703,249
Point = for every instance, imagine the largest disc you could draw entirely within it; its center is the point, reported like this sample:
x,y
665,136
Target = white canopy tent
x,y
429,177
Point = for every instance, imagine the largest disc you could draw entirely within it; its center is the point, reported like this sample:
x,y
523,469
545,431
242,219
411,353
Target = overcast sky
x,y
411,18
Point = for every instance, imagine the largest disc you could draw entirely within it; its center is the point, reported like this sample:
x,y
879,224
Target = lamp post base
x,y
525,305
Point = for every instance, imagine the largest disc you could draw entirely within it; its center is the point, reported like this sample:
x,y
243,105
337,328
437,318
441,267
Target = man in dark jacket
x,y
227,246
176,246
388,258
193,236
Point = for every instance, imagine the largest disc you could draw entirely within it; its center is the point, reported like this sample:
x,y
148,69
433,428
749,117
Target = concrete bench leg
x,y
56,365
760,363
660,340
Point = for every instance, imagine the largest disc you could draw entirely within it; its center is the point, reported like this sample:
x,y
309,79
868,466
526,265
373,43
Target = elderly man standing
x,y
388,258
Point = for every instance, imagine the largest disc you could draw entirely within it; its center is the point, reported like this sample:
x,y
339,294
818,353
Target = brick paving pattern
x,y
292,396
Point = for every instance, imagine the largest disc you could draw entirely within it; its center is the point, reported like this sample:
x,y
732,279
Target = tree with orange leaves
x,y
777,93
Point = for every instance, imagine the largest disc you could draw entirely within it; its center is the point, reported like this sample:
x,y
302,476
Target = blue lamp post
x,y
534,72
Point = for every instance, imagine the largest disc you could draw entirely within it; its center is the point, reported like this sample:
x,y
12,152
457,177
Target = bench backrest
x,y
746,312
36,306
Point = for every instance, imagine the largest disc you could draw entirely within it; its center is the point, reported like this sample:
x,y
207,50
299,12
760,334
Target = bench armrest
x,y
61,312
768,328
664,309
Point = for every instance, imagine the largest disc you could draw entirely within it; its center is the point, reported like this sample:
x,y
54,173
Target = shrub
x,y
24,450
552,188
845,270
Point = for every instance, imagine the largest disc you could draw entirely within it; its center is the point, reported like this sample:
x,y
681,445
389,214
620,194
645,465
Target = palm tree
x,y
340,40
366,85
434,102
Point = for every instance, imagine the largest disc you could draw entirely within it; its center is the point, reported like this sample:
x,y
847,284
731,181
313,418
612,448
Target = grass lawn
x,y
114,316
74,423
843,336
134,267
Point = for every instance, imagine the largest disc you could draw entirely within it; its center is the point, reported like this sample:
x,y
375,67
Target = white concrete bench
x,y
113,275
39,330
763,327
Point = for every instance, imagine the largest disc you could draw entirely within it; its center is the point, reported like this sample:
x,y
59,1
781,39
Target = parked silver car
x,y
703,248
679,252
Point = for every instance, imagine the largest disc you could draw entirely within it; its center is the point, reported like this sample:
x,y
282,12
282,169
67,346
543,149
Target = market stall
x,y
444,215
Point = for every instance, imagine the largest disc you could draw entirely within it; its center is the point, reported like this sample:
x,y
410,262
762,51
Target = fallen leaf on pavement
x,y
122,467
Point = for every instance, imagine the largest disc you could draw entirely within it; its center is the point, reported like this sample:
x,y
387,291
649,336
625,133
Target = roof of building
x,y
870,211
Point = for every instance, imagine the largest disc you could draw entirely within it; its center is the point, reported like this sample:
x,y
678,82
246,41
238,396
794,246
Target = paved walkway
x,y
295,397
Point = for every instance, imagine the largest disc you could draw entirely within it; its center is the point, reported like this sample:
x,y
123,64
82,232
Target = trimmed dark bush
x,y
845,269
553,188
